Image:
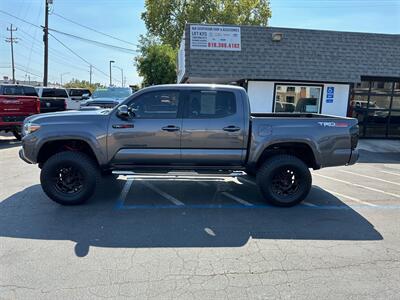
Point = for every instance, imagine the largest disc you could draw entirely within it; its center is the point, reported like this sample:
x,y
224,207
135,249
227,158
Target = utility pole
x,y
46,41
12,40
90,71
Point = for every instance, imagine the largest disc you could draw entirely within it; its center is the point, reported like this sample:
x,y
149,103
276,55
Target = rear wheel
x,y
69,178
284,180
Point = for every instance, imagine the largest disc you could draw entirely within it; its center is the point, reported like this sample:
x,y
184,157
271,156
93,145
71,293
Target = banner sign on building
x,y
206,37
181,61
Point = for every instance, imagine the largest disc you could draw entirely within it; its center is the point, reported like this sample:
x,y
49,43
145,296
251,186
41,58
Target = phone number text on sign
x,y
215,38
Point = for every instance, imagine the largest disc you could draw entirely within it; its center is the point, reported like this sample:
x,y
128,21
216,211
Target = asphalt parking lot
x,y
209,237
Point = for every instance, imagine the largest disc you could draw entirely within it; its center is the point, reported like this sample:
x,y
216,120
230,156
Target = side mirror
x,y
85,96
123,112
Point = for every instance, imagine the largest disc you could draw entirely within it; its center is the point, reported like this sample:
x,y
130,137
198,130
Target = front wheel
x,y
69,178
284,180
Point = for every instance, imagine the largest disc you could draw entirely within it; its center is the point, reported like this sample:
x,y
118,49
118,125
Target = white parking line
x,y
237,199
247,181
391,173
370,177
162,193
348,197
358,185
125,191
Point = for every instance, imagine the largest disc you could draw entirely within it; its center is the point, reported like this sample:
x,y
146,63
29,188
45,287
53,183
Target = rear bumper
x,y
353,157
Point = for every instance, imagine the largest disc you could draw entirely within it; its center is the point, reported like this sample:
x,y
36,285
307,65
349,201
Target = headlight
x,y
30,127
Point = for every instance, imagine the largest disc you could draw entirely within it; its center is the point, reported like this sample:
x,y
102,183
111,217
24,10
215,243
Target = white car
x,y
49,93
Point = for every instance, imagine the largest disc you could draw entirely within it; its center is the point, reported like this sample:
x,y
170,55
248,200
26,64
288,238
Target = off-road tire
x,y
84,164
272,168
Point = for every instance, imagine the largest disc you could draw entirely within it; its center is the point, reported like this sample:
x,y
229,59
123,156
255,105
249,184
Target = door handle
x,y
170,128
123,126
231,128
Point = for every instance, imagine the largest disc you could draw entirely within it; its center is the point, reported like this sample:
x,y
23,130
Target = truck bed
x,y
294,115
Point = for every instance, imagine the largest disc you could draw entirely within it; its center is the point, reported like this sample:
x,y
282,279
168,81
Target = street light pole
x,y
111,61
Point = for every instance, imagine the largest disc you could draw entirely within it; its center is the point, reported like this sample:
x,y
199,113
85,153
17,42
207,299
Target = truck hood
x,y
67,116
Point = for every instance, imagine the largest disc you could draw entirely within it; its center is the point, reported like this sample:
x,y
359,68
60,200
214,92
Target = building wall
x,y
261,95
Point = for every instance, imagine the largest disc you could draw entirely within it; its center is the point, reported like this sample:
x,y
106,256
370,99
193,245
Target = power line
x,y
94,30
76,54
101,44
75,36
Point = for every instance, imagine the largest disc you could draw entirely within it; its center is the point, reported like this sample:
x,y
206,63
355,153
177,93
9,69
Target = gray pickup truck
x,y
202,128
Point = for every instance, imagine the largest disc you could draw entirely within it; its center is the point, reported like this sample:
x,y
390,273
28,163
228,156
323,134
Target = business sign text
x,y
205,37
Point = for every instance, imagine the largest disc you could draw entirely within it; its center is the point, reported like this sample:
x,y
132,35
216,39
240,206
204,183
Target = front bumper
x,y
23,157
353,157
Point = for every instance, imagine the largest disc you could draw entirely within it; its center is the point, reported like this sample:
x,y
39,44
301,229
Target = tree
x,y
157,62
166,19
75,83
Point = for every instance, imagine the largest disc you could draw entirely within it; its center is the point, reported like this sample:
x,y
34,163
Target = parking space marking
x,y
358,185
124,193
247,181
370,177
162,193
346,196
391,173
237,199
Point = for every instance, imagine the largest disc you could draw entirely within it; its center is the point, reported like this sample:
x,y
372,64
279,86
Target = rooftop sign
x,y
209,37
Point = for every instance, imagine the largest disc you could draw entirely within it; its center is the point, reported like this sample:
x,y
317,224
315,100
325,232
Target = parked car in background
x,y
108,97
78,94
54,99
16,103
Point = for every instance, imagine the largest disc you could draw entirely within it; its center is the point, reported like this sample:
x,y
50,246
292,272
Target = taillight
x,y
65,104
38,105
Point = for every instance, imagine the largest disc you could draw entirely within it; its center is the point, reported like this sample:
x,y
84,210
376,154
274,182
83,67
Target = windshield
x,y
115,93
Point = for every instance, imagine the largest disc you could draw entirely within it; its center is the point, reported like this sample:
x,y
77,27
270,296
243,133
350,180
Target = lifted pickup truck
x,y
205,128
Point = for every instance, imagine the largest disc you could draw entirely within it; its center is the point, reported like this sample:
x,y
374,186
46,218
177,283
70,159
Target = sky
x,y
121,19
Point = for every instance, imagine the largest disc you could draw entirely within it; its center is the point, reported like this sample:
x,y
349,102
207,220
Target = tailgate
x,y
50,104
17,105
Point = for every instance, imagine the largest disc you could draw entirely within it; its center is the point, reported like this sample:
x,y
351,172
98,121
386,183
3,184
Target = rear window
x,y
54,93
18,90
79,92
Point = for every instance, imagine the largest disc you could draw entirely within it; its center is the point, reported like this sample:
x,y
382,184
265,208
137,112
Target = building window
x,y
376,106
301,98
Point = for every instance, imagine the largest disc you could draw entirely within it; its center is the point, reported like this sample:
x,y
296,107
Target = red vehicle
x,y
16,103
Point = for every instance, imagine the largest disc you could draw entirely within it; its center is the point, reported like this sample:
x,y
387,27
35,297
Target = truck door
x,y
213,130
152,135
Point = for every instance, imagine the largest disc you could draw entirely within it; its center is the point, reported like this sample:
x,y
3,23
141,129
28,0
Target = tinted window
x,y
210,104
30,91
54,93
156,105
13,90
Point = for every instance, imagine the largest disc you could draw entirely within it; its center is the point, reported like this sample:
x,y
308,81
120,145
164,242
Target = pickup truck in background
x,y
16,103
202,128
55,99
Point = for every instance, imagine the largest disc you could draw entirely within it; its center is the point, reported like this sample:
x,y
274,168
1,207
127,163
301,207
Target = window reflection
x,y
290,98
